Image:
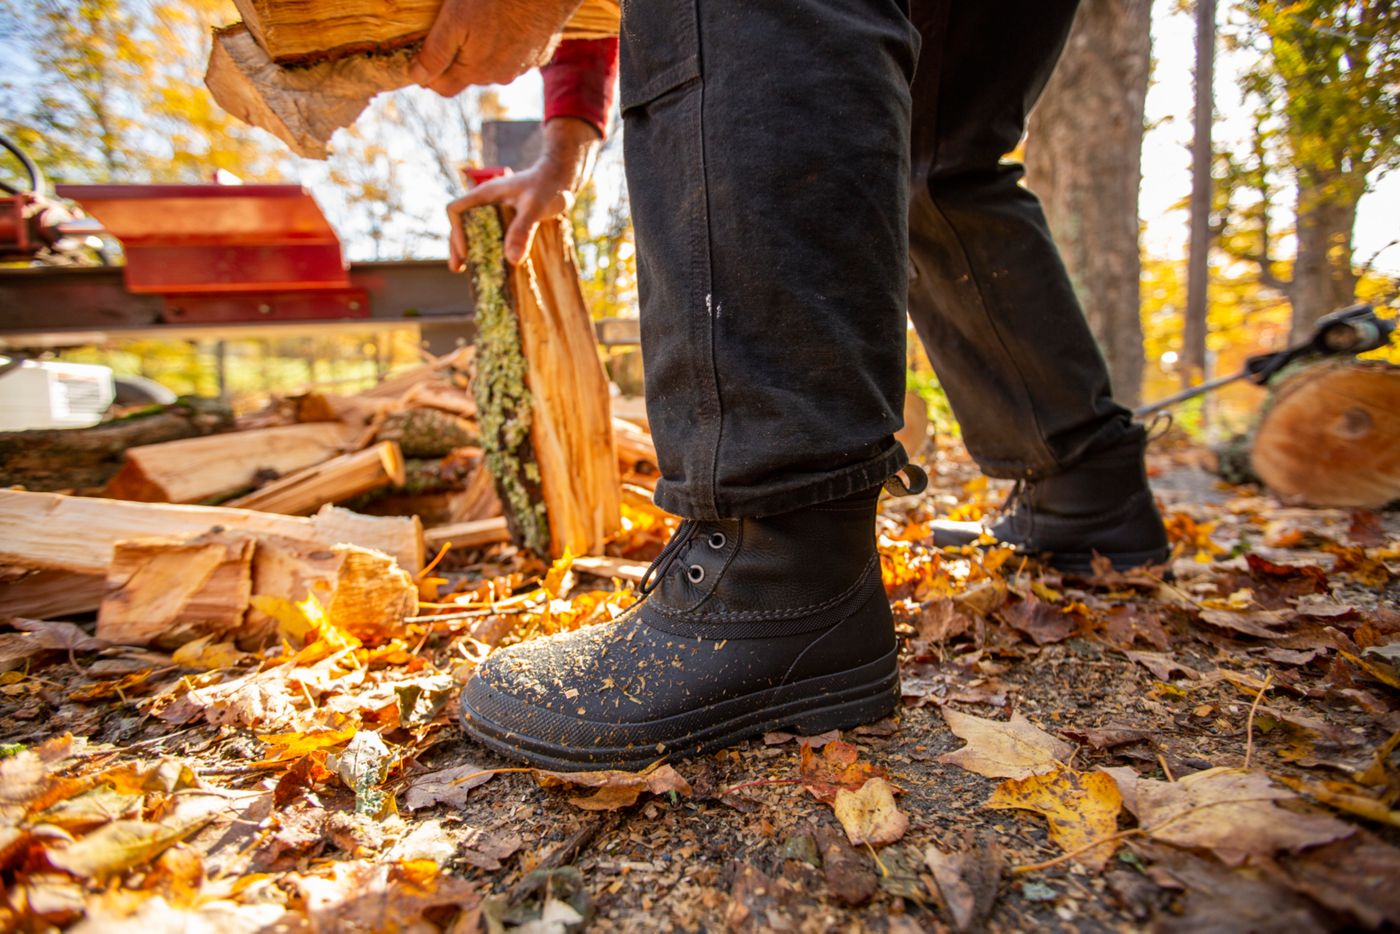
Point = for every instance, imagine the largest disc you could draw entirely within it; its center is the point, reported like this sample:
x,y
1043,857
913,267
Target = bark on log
x,y
541,394
304,492
84,459
168,591
49,531
362,590
198,469
1331,436
427,432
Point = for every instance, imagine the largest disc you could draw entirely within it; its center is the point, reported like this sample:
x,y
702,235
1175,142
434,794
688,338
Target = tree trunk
x,y
1323,278
1193,343
1084,159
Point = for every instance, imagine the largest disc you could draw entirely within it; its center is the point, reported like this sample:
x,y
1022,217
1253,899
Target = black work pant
x,y
769,152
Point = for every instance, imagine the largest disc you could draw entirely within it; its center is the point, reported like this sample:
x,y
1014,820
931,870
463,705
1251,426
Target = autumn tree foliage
x,y
1326,93
115,93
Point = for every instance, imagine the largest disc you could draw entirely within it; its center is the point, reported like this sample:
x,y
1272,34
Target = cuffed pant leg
x,y
990,296
767,154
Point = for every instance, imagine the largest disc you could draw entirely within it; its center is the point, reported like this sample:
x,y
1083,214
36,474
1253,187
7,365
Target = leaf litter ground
x,y
1215,748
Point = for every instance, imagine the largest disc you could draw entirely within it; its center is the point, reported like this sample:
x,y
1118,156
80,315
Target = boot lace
x,y
1011,508
663,563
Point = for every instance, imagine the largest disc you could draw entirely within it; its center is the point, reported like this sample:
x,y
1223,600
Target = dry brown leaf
x,y
1015,748
1081,807
837,767
967,880
1231,812
446,786
615,789
1254,623
357,895
1040,621
869,815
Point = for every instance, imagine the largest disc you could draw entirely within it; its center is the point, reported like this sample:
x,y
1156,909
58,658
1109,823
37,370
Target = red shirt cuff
x,y
579,81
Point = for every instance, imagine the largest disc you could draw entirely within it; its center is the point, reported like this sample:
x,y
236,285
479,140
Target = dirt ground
x,y
1268,654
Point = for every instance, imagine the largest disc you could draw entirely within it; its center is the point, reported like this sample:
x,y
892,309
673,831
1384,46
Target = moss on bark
x,y
500,384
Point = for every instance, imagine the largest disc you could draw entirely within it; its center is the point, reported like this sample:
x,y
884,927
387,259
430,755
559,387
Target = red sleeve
x,y
579,81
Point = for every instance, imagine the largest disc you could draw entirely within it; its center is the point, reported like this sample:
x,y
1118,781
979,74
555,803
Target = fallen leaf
x,y
488,849
420,700
615,789
1355,876
60,636
1221,901
816,742
1003,749
1231,812
1039,620
447,786
1161,665
869,815
967,880
285,747
1111,737
1128,625
837,767
1345,796
942,620
900,871
358,895
362,766
849,876
119,846
206,654
1081,807
1254,623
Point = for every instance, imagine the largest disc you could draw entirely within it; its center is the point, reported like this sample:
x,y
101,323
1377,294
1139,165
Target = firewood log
x,y
199,469
303,492
1330,435
541,394
49,531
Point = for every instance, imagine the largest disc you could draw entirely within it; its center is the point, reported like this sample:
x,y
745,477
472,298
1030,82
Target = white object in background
x,y
53,394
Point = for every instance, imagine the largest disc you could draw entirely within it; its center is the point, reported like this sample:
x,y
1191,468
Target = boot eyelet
x,y
718,540
695,573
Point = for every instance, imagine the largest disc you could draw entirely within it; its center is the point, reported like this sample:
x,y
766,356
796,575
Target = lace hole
x,y
695,573
717,540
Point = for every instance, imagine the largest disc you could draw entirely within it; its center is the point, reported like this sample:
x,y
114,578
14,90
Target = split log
x,y
636,454
84,459
50,531
344,52
541,394
362,590
1331,435
315,30
303,107
477,534
168,591
427,432
303,492
465,492
198,469
50,594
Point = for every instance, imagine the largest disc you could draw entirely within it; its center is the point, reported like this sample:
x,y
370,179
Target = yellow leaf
x,y
1081,807
119,846
284,747
553,582
1015,748
202,654
869,815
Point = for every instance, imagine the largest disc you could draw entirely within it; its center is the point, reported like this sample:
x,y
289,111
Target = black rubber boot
x,y
1102,505
749,625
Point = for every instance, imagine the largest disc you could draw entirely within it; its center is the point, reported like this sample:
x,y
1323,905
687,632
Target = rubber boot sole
x,y
816,705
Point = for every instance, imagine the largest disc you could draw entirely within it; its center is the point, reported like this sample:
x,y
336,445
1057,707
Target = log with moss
x,y
542,400
52,460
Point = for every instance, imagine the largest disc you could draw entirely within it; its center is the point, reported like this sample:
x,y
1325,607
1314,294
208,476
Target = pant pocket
x,y
660,49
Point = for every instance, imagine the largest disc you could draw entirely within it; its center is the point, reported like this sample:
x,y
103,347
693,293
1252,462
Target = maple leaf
x,y
837,767
1040,621
1015,748
284,747
615,789
869,815
1081,807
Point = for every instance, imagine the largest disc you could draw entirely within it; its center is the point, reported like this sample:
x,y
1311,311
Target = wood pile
x,y
327,496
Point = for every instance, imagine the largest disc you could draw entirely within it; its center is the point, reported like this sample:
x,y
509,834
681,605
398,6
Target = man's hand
x,y
488,42
543,190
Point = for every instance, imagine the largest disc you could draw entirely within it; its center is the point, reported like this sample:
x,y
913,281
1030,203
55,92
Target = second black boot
x,y
1102,505
750,625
